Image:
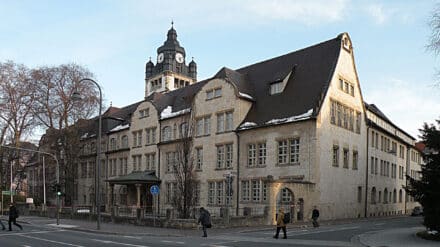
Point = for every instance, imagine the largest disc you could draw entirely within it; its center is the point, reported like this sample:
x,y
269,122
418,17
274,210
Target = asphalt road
x,y
36,235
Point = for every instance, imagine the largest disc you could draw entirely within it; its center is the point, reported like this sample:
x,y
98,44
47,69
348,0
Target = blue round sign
x,y
154,189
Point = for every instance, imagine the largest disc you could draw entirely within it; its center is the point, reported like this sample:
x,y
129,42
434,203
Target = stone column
x,y
273,191
138,195
112,201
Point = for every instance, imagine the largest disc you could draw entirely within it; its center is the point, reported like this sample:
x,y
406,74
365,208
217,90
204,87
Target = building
x,y
292,131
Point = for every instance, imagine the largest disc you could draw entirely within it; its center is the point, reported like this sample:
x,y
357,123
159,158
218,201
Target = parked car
x,y
417,211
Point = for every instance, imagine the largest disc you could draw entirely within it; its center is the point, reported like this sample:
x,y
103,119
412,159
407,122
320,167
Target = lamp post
x,y
98,158
57,174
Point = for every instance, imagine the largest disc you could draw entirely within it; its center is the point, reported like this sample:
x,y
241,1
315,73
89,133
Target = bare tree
x,y
185,196
54,106
434,39
17,96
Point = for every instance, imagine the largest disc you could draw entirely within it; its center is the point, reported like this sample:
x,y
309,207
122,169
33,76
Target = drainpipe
x,y
238,174
366,175
408,165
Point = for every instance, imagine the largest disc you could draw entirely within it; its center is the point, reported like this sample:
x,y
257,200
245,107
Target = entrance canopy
x,y
136,177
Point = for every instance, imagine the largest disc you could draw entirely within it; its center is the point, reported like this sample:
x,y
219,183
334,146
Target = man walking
x,y
280,224
315,216
204,220
13,215
3,226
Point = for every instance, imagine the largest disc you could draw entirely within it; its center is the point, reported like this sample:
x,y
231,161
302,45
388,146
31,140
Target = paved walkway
x,y
400,237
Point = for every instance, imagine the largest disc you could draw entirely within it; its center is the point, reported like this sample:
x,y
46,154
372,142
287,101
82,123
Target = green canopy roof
x,y
136,177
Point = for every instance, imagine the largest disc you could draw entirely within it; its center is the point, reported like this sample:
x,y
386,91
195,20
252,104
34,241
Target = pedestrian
x,y
315,216
281,223
3,226
204,220
13,215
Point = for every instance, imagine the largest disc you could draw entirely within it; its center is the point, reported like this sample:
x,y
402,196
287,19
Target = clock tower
x,y
170,71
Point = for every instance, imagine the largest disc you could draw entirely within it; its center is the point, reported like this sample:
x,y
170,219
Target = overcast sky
x,y
114,39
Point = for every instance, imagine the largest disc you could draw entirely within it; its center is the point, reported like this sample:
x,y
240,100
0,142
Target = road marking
x,y
34,232
63,226
133,237
173,242
119,243
52,241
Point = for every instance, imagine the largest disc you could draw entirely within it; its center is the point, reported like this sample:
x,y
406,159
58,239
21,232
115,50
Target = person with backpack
x,y
204,220
13,215
315,216
281,223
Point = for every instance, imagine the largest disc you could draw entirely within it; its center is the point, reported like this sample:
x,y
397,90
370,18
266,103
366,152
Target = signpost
x,y
6,193
154,190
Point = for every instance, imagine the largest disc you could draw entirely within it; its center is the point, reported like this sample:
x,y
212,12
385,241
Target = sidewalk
x,y
401,237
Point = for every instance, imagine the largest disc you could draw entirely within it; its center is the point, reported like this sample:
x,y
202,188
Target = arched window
x,y
385,196
166,133
394,196
183,130
380,197
124,141
286,196
373,195
400,195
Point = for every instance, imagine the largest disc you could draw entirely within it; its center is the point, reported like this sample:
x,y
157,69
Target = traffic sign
x,y
7,193
154,189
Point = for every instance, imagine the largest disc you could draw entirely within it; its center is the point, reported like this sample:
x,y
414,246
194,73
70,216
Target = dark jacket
x,y
13,212
204,218
315,213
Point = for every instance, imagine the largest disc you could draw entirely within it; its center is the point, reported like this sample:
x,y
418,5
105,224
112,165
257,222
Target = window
x,y
224,156
358,122
124,141
345,117
333,112
255,190
166,133
373,195
83,170
213,93
171,159
121,166
112,144
245,190
224,122
355,160
183,130
286,195
276,88
216,193
385,196
346,86
372,166
124,164
345,152
335,156
150,160
137,162
252,155
288,151
137,138
203,126
171,191
150,135
199,158
144,113
359,194
262,154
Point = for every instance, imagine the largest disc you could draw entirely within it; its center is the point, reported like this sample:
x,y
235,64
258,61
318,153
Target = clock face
x,y
160,58
179,58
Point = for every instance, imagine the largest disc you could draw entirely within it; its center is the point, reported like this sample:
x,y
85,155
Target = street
x,y
39,233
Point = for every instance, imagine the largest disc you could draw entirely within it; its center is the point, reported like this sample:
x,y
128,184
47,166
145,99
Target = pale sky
x,y
114,40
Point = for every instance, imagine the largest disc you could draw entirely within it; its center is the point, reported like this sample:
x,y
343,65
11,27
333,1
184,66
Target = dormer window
x,y
276,88
213,93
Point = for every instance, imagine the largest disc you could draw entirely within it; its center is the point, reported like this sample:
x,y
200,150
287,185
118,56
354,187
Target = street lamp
x,y
44,186
76,96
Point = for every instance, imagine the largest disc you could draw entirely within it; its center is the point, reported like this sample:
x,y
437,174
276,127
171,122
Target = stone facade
x,y
322,156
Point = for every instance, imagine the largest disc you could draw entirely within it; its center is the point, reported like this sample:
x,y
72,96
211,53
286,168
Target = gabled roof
x,y
238,79
180,99
312,69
